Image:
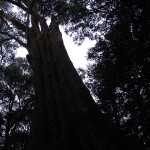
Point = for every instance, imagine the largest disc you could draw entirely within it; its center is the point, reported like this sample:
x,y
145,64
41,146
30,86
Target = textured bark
x,y
66,117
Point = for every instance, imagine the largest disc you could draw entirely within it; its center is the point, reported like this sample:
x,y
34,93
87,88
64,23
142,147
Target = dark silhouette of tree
x,y
121,70
16,104
65,115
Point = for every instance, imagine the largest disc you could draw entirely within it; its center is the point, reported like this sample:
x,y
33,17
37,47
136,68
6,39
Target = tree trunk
x,y
65,117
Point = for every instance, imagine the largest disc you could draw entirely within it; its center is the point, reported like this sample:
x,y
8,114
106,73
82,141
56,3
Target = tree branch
x,y
16,39
27,10
4,40
100,7
15,22
17,4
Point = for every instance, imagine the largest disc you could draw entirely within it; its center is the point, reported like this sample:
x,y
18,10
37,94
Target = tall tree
x,y
65,115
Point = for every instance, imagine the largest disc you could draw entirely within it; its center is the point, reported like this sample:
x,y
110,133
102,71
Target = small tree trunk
x,y
7,135
66,117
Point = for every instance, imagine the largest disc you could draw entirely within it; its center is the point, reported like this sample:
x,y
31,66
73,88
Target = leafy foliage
x,y
16,104
121,70
81,18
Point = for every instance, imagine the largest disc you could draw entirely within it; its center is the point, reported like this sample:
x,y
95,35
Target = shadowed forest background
x,y
118,77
